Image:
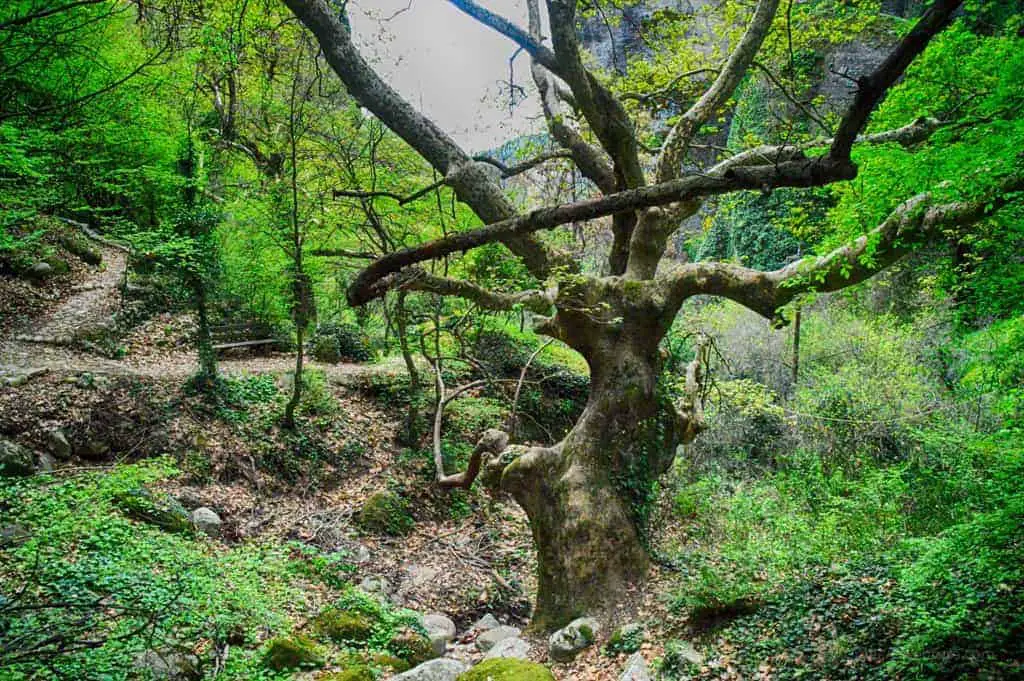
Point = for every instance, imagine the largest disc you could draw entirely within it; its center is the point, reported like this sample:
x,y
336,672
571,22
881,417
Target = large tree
x,y
580,493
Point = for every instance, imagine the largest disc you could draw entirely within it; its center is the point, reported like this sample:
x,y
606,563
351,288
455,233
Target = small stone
x,y
422,575
440,629
441,669
636,669
486,640
566,643
207,521
168,666
375,586
46,462
362,554
57,444
513,648
40,270
487,622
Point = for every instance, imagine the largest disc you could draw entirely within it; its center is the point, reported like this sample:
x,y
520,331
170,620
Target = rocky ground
x,y
468,563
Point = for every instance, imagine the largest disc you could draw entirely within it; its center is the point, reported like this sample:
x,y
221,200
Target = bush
x,y
351,341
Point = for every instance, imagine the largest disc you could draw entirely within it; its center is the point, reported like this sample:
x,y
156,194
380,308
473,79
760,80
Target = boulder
x,y
40,270
46,462
292,652
343,626
566,643
386,513
507,669
440,629
412,646
486,622
15,460
515,648
636,669
57,444
441,669
207,521
168,666
13,534
161,510
486,640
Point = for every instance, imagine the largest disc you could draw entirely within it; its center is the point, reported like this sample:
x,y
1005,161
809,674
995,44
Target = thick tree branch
x,y
470,182
872,88
913,222
533,46
416,279
670,162
802,172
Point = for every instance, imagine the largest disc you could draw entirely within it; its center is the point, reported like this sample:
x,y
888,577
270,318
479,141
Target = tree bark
x,y
587,497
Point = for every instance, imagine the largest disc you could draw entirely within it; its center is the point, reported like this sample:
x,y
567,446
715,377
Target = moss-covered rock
x,y
386,513
507,669
343,626
292,652
388,661
357,673
412,646
161,510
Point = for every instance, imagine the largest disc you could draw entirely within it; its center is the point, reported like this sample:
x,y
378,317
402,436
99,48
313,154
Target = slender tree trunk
x,y
207,355
796,348
293,403
412,420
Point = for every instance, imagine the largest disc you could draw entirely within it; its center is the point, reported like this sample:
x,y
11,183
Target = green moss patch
x,y
506,669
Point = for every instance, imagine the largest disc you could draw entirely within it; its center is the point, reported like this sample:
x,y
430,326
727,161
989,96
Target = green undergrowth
x,y
859,547
87,588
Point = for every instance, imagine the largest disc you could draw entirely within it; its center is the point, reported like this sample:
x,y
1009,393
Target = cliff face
x,y
833,71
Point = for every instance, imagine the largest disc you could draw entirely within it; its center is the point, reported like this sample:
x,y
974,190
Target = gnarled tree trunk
x,y
587,497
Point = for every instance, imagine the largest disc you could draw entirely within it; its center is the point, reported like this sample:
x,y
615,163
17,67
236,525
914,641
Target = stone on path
x,y
486,640
566,643
636,669
441,669
207,521
57,444
487,622
440,629
515,648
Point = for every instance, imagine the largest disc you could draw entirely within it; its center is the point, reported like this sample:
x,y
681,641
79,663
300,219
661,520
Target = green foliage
x,y
626,639
352,342
157,588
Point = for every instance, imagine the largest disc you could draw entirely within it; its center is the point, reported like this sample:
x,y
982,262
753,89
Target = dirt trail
x,y
92,305
48,342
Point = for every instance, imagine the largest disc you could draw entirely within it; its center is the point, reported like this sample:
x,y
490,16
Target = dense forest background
x,y
853,511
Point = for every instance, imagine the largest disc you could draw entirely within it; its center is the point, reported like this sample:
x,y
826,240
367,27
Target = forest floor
x,y
465,564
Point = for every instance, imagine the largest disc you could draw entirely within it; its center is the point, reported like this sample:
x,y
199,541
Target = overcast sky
x,y
448,65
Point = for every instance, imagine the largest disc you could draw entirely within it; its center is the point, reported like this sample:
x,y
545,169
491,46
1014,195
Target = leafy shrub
x,y
155,587
746,427
352,342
